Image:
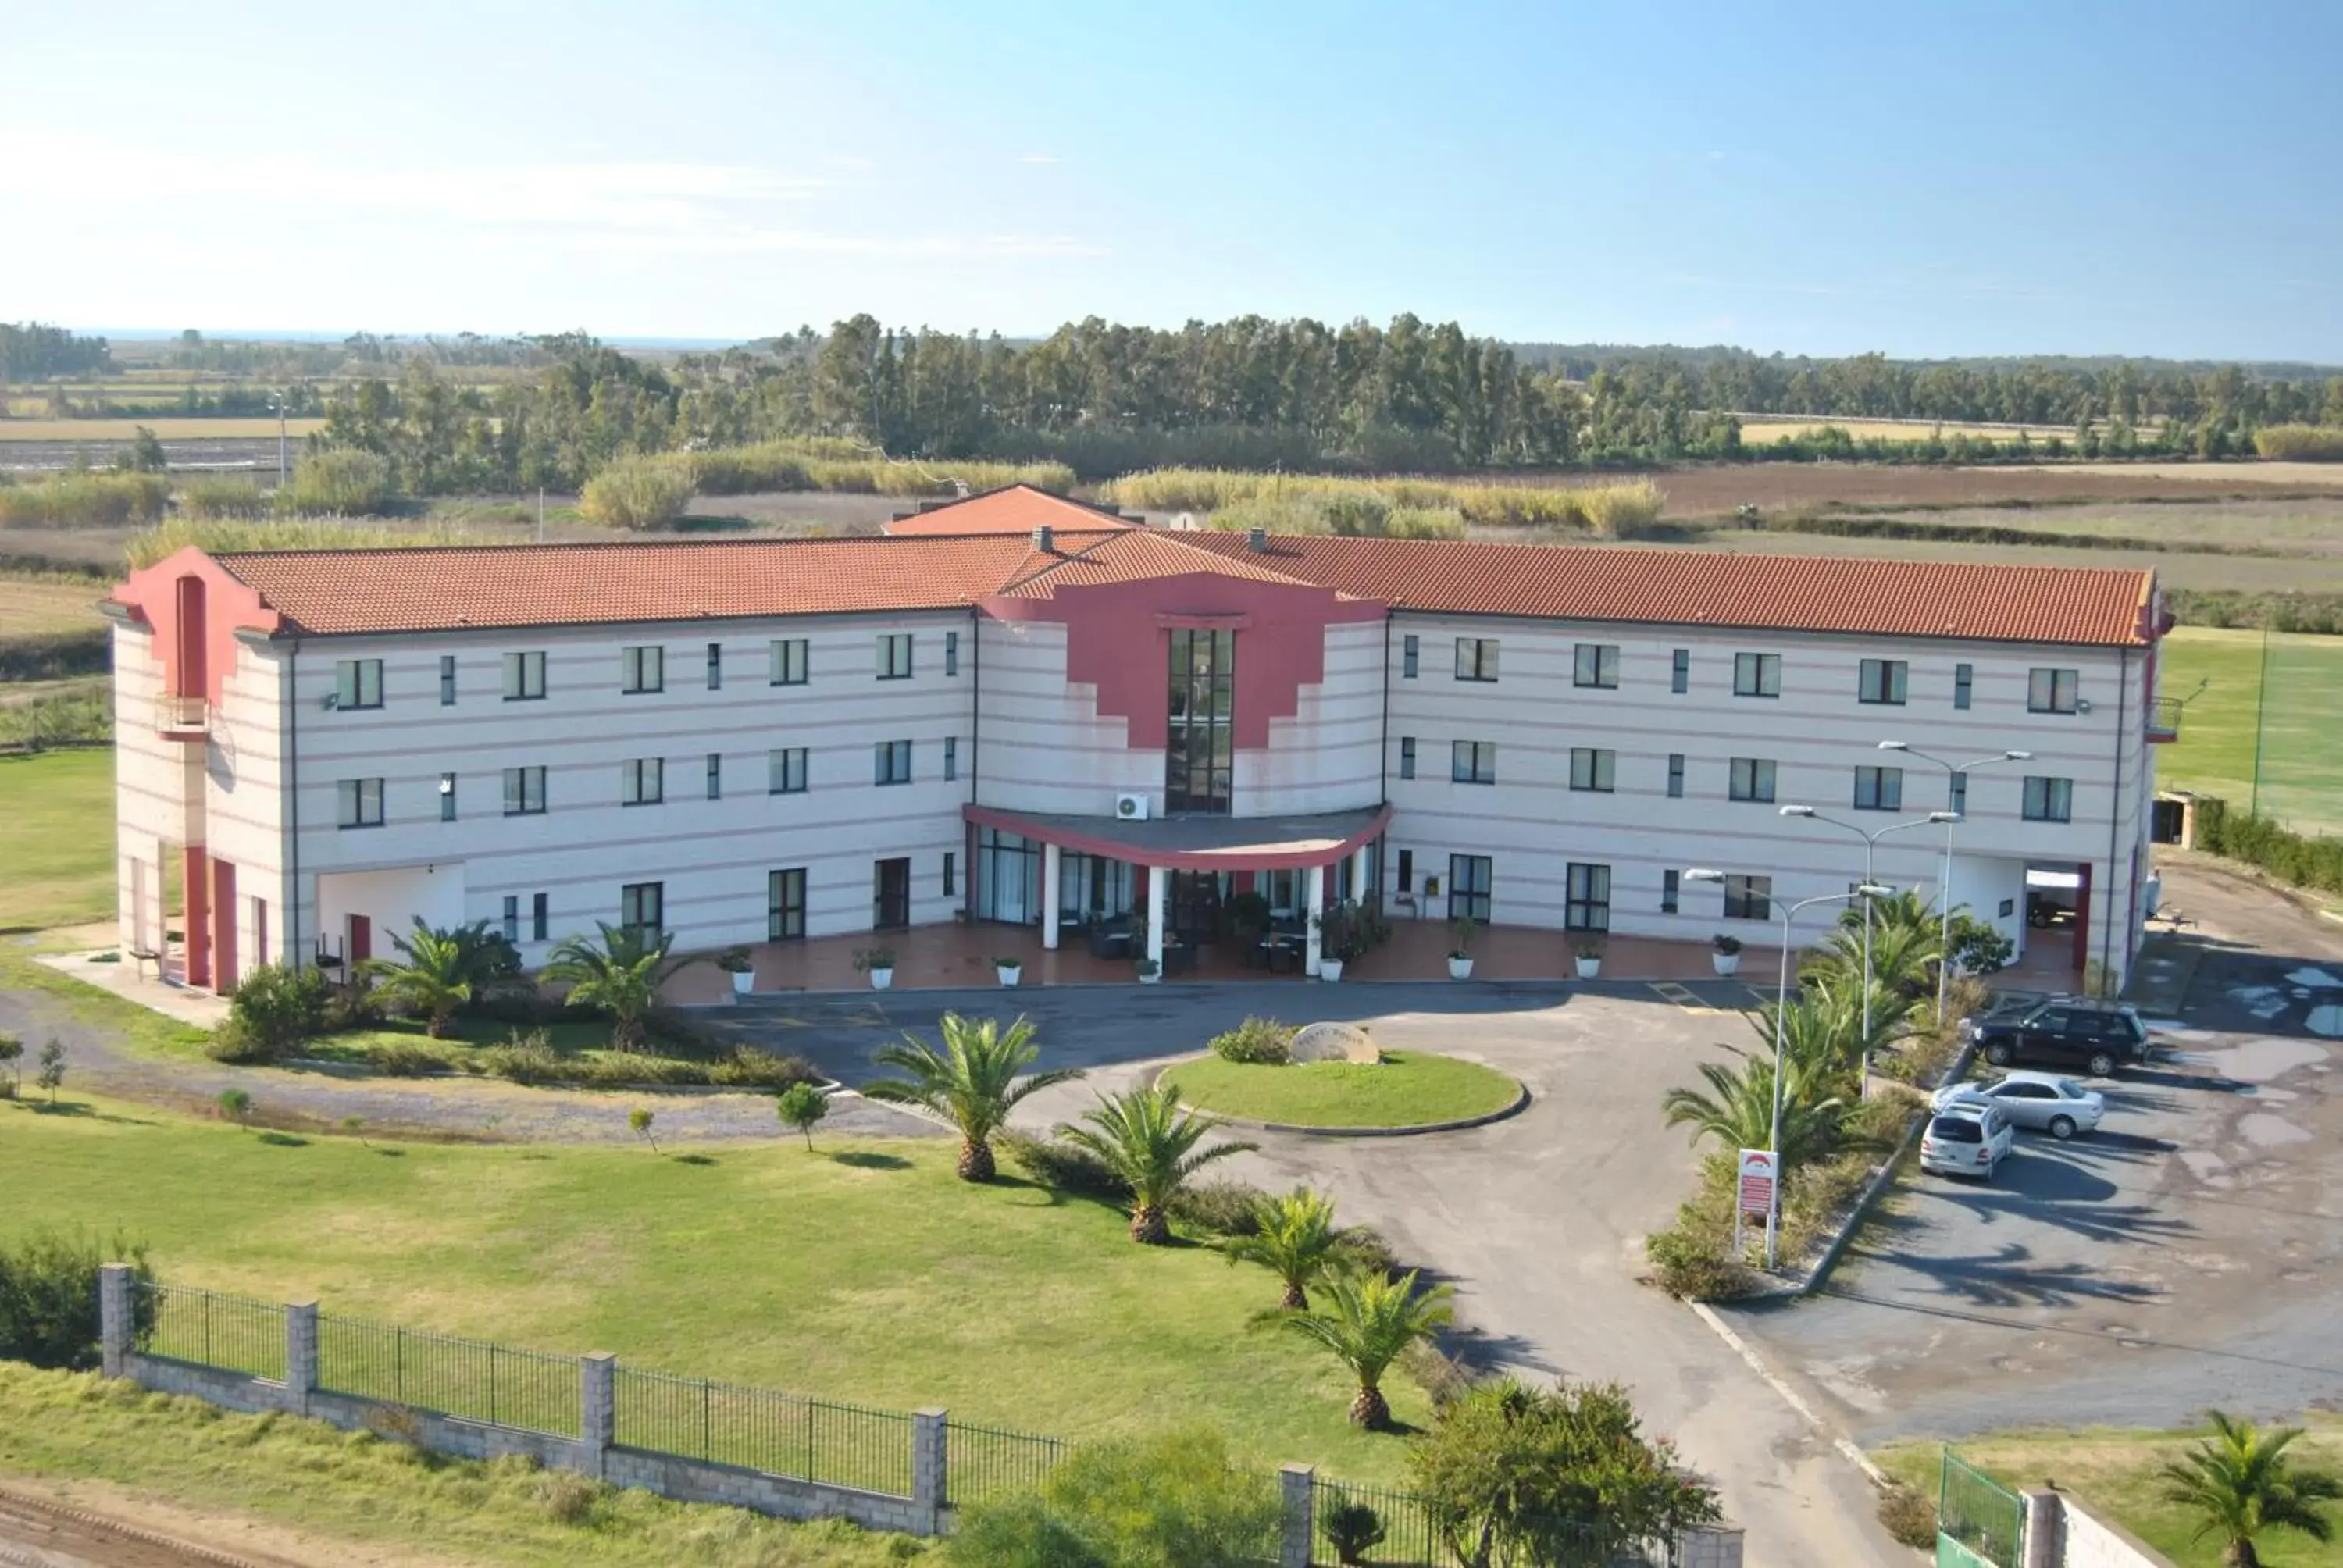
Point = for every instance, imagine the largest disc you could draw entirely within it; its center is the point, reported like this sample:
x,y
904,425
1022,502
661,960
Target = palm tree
x,y
1738,1109
2239,1483
434,980
1823,1028
972,1083
1368,1320
1295,1238
1907,941
620,976
1148,1140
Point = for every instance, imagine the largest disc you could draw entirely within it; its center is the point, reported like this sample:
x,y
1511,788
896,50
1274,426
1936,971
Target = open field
x,y
863,1270
1713,489
32,605
1759,428
1405,1089
2182,569
164,429
56,837
2111,1471
2221,675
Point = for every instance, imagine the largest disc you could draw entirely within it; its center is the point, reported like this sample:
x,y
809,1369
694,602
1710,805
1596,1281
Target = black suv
x,y
2066,1031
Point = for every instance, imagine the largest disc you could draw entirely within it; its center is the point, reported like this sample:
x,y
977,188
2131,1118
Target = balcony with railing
x,y
2163,719
183,718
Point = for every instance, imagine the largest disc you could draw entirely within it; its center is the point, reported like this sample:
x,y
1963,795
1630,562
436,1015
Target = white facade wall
x,y
1328,756
155,780
1046,748
1816,733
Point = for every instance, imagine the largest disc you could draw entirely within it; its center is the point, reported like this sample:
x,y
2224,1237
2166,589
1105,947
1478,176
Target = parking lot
x,y
2183,1256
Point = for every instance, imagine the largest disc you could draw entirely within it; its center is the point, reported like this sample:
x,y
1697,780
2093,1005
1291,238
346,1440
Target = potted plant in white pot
x,y
1727,954
1008,970
879,963
735,962
1588,951
1460,957
1149,972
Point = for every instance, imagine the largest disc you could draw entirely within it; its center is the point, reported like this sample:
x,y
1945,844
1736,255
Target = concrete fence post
x,y
2046,1528
598,1411
930,1467
300,1355
1719,1547
1297,1494
115,1317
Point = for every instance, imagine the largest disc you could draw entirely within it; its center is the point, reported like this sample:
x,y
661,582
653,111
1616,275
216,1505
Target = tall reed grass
x,y
92,500
238,536
1396,507
637,493
341,483
2300,443
828,464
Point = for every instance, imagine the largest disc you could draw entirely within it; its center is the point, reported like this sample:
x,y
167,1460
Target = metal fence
x,y
982,1463
209,1329
1978,1520
1411,1535
759,1429
468,1379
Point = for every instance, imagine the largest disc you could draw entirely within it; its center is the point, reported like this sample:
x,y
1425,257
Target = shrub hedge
x,y
2313,863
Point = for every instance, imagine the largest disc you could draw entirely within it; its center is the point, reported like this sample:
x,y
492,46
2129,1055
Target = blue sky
x,y
1976,179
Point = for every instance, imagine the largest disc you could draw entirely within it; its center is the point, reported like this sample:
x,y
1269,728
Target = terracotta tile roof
x,y
1713,587
1081,560
1011,509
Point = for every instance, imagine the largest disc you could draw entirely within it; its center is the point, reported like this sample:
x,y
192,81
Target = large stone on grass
x,y
1333,1042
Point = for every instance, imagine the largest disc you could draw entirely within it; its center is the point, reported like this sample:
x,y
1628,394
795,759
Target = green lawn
x,y
862,1271
57,838
2111,1471
1406,1089
311,1477
2302,722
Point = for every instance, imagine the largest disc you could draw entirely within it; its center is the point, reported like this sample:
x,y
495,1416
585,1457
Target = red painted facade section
x,y
196,609
1119,639
1245,858
196,919
223,970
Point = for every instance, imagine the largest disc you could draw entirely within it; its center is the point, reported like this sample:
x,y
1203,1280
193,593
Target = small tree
x,y
275,1011
620,976
236,1106
1367,1320
802,1106
973,1080
355,1127
2239,1483
432,981
1147,1138
1294,1238
12,1053
1352,1529
53,1067
638,1121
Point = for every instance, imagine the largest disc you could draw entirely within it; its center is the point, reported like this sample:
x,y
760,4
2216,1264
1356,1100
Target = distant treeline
x,y
32,349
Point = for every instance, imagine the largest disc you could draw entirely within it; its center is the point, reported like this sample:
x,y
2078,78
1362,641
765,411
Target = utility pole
x,y
276,400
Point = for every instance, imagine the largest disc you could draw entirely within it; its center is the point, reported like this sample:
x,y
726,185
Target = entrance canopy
x,y
1201,843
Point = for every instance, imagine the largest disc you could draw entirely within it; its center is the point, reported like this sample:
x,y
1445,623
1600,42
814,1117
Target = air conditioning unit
x,y
1131,808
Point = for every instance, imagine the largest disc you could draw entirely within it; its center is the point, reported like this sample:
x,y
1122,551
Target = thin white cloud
x,y
1039,159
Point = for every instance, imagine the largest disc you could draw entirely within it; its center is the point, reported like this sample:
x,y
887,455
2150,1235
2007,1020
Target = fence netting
x,y
1983,1520
762,1429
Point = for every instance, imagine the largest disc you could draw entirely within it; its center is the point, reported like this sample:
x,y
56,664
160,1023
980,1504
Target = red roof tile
x,y
1083,560
1012,510
1711,587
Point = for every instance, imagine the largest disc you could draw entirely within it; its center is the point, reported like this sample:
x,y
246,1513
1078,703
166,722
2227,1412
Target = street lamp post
x,y
1867,891
277,400
1870,837
1951,820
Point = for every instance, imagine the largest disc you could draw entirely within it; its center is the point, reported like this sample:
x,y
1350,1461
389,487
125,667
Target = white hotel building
x,y
1020,709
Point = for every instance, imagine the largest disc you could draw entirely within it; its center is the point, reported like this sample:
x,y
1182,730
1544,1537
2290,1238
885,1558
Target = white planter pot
x,y
1155,979
1330,969
743,982
881,979
1460,968
1008,974
1726,963
1589,967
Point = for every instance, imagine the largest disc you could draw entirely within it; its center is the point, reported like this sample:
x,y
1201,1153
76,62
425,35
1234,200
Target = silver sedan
x,y
2042,1102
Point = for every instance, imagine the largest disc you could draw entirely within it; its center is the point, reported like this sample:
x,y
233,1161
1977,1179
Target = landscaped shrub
x,y
1692,1264
1909,1515
1060,1167
48,1297
2316,863
407,1058
637,493
1263,1040
528,1058
340,483
1219,1207
746,1067
1177,1501
214,497
275,1011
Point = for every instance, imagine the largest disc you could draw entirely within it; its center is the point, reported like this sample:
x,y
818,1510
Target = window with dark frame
x,y
790,661
784,904
951,877
360,802
1956,794
1472,762
1593,768
951,653
1749,898
1596,664
1200,743
891,762
715,667
1407,870
1468,877
642,910
1675,775
642,782
716,776
524,677
895,655
1757,675
446,680
2052,691
540,917
523,791
447,797
1587,898
358,683
1476,659
1883,680
1680,671
1751,779
642,670
2049,799
1878,789
951,757
1407,756
1964,678
1410,650
1671,891
512,918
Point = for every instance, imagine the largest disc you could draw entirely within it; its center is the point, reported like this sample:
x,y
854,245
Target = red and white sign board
x,y
1757,1174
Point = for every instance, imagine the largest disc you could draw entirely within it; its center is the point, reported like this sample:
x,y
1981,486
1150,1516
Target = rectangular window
x,y
785,771
361,802
512,918
784,904
1411,653
447,797
1468,887
446,680
643,668
2052,690
358,683
524,677
1757,675
1407,870
1879,789
1675,775
1749,898
1680,672
1671,891
540,917
1596,664
715,667
1882,680
642,782
951,757
716,776
1200,742
1476,659
1588,906
1593,768
789,661
642,910
1963,676
523,791
951,653
1956,794
1474,762
891,762
2049,799
1752,779
949,880
895,655
1407,756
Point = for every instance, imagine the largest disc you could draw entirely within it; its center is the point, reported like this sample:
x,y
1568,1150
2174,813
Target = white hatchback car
x,y
2042,1102
1968,1138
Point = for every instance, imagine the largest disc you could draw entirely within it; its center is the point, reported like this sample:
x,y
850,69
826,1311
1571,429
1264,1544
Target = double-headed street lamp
x,y
1867,891
1951,818
1871,837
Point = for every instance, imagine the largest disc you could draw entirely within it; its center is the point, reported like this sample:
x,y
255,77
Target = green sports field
x,y
2295,687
